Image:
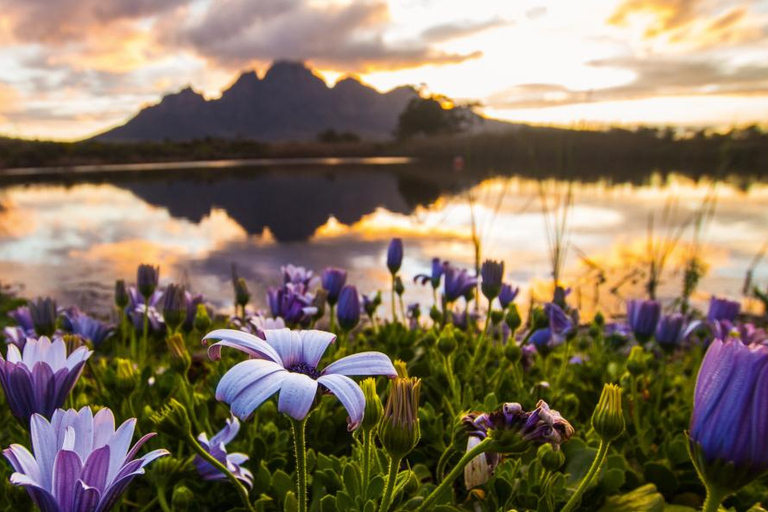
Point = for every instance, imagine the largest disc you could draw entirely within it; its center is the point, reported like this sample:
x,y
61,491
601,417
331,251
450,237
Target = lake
x,y
71,234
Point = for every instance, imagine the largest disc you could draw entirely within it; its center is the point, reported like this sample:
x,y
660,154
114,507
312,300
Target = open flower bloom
x,y
729,420
643,316
90,329
137,308
217,446
80,462
287,362
514,430
458,283
39,379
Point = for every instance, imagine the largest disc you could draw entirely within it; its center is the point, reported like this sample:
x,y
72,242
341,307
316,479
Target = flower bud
x,y
492,273
599,319
183,499
446,343
202,320
370,304
513,352
121,294
636,361
496,316
608,419
373,407
174,306
44,315
399,430
401,368
399,286
126,376
395,255
180,358
333,280
147,277
435,314
242,295
172,420
539,319
348,312
513,318
318,302
550,458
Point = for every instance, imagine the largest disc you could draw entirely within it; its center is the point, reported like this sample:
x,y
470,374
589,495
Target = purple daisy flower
x,y
80,462
88,328
458,283
643,316
136,307
434,277
23,318
296,275
287,362
39,379
217,446
723,310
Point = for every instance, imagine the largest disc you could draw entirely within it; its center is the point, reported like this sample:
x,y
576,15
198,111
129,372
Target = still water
x,y
72,238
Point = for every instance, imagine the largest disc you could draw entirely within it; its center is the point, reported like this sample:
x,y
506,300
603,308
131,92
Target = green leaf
x,y
351,480
612,480
291,503
328,504
282,483
662,476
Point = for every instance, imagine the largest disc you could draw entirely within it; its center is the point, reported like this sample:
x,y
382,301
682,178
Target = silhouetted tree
x,y
428,117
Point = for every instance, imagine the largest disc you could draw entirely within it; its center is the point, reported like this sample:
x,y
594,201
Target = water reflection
x,y
72,241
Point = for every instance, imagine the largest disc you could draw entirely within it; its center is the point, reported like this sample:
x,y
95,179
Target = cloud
x,y
457,30
693,23
653,77
344,37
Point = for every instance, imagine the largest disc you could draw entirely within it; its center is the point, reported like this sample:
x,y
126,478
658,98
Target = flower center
x,y
306,369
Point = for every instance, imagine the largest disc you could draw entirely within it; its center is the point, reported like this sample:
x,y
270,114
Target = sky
x,y
72,68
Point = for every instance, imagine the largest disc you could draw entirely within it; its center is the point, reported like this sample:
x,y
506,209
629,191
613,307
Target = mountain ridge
x,y
289,103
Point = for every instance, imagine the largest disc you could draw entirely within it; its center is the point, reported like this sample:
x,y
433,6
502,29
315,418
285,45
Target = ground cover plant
x,y
325,402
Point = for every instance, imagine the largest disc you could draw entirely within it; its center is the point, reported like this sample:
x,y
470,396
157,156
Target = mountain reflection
x,y
293,203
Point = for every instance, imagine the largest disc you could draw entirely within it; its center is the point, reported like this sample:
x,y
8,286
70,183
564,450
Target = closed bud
x,y
174,306
121,294
180,358
435,314
172,420
492,273
446,343
44,315
399,287
373,407
496,316
539,319
183,499
242,295
399,430
599,319
147,277
608,419
513,318
550,457
202,320
318,302
126,376
636,361
513,352
401,368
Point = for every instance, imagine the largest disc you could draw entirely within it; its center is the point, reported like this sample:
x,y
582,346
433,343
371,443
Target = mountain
x,y
289,103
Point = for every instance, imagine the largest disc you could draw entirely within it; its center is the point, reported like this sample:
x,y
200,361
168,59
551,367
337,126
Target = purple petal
x,y
296,395
66,471
23,462
228,433
44,444
364,363
248,343
314,345
42,498
242,376
138,445
349,394
95,469
254,395
118,447
86,498
287,343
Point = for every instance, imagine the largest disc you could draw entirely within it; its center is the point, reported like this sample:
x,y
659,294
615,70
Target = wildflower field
x,y
326,402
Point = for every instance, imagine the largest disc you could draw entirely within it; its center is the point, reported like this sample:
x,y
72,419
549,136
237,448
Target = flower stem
x,y
481,448
301,462
241,490
386,501
488,319
162,500
145,334
394,309
636,417
367,442
715,497
602,451
333,317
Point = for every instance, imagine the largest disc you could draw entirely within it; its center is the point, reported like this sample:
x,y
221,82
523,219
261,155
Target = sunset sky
x,y
73,68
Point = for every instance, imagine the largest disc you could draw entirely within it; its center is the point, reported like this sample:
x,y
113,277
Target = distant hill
x,y
289,103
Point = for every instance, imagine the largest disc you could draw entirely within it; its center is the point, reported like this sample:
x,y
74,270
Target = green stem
x,y
301,462
367,442
564,364
241,490
602,451
715,497
149,505
333,317
143,349
162,500
389,490
488,318
394,309
636,417
481,448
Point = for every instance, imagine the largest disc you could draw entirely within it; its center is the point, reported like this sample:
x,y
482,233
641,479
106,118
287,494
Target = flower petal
x,y
296,395
248,343
242,376
349,394
314,343
364,363
254,395
287,343
66,471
